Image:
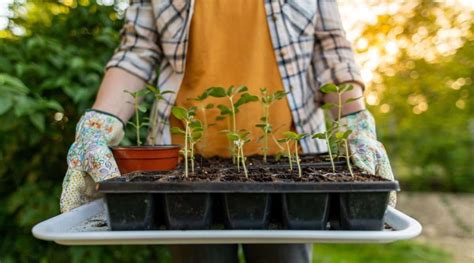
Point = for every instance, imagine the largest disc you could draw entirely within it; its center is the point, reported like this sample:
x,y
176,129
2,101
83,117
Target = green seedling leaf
x,y
346,87
209,106
347,133
232,136
328,88
353,99
241,89
224,109
328,106
220,118
290,135
179,113
339,135
141,108
245,98
176,130
141,93
319,136
217,92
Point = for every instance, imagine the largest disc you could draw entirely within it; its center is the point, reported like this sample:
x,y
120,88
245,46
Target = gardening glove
x,y
366,152
89,159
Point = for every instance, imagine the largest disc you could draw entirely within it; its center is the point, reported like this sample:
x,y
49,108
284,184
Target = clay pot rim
x,y
147,147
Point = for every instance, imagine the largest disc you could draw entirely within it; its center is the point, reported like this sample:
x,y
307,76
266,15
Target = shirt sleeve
x,y
139,52
333,56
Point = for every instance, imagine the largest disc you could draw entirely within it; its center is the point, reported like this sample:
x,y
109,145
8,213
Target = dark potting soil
x,y
257,160
205,174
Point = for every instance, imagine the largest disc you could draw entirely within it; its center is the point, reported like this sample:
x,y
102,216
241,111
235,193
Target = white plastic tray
x,y
75,228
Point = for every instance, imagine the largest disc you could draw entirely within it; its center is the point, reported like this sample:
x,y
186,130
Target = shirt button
x,y
274,18
282,53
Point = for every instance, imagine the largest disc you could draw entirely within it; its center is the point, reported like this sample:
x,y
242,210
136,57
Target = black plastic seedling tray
x,y
245,205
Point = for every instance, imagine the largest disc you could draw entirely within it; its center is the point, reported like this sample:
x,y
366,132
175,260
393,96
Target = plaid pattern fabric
x,y
308,40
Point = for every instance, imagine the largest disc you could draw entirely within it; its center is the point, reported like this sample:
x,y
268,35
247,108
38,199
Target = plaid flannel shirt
x,y
308,39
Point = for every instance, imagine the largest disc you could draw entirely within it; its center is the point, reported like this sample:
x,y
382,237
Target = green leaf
x,y
179,113
319,136
224,109
328,106
209,106
328,88
245,98
141,93
38,121
176,130
241,89
220,118
217,92
142,108
232,136
5,104
353,99
347,133
346,87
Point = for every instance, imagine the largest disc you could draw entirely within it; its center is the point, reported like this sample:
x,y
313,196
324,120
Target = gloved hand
x,y
366,152
89,159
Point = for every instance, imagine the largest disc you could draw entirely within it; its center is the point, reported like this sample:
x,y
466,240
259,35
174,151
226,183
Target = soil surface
x,y
257,160
267,174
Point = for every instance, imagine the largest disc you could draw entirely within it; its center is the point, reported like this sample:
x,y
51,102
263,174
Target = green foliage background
x,y
49,76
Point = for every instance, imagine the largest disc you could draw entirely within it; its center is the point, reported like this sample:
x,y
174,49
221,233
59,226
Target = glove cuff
x,y
95,122
360,122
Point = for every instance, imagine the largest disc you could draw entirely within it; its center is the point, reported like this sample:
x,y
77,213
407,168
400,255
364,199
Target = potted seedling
x,y
144,157
136,210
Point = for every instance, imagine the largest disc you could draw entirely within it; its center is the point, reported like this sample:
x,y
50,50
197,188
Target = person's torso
x,y
229,44
291,25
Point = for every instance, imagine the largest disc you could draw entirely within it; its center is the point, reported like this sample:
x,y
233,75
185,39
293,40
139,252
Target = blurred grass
x,y
400,252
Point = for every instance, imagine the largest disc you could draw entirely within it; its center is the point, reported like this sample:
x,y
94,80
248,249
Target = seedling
x,y
332,88
233,109
203,108
266,100
138,106
341,136
293,137
158,95
192,134
239,140
327,135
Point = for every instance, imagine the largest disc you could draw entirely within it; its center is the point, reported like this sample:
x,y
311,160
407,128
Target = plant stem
x,y
234,123
347,157
137,121
238,158
339,106
289,155
204,120
186,138
243,161
297,158
192,158
266,115
330,152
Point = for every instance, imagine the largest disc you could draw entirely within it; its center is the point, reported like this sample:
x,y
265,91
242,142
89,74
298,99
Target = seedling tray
x,y
86,225
149,204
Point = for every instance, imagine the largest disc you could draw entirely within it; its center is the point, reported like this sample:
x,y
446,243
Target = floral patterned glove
x,y
89,159
367,153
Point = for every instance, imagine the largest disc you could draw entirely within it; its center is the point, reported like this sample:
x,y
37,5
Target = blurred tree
x,y
48,77
418,58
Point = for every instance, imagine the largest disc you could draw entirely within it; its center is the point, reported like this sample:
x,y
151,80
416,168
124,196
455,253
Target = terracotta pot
x,y
146,158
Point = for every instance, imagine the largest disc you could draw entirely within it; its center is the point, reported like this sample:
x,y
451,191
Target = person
x,y
295,46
